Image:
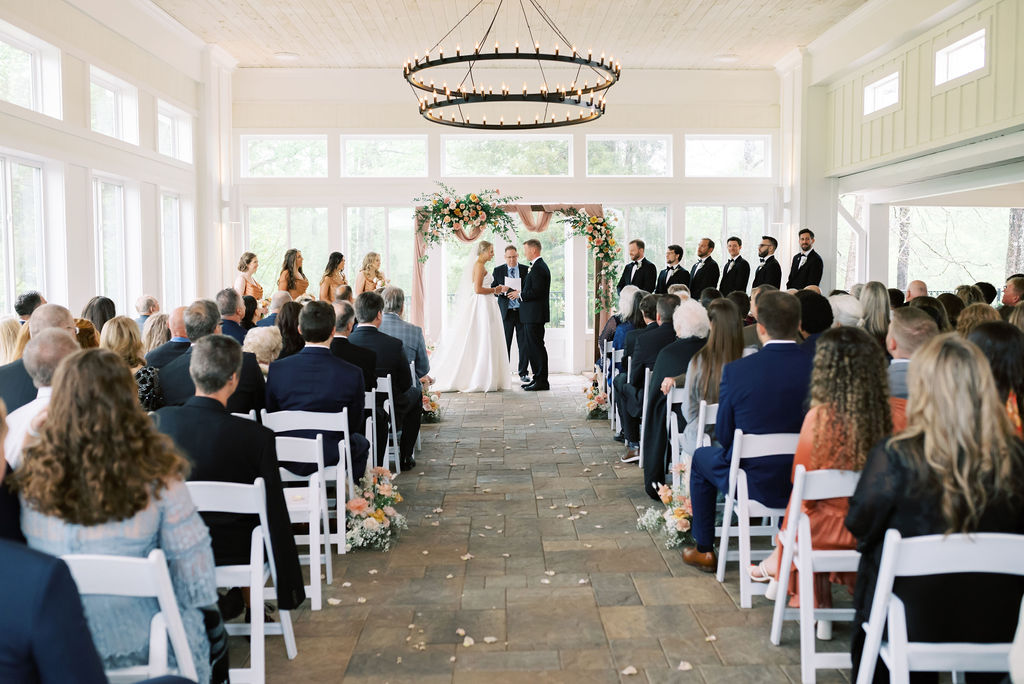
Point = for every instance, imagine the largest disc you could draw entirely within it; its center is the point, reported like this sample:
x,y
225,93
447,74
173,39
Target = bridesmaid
x,y
292,280
246,283
333,278
369,277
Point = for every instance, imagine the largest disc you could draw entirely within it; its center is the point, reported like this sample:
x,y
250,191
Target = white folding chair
x,y
412,369
676,396
745,447
251,415
139,578
309,505
384,386
616,359
798,549
643,412
607,365
231,497
370,404
936,554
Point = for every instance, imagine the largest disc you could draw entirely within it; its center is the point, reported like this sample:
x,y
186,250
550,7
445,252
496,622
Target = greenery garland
x,y
443,212
600,234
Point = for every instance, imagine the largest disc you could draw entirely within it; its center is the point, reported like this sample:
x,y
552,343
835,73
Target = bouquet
x,y
445,211
372,520
600,234
674,523
431,406
597,402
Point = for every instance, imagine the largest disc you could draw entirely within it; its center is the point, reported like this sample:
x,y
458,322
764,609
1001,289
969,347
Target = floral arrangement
x,y
600,234
442,213
597,402
431,406
674,523
372,519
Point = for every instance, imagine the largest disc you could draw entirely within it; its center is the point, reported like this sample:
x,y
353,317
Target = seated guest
x,y
146,306
26,303
629,318
1003,346
99,310
874,299
232,311
156,332
973,316
343,293
121,336
970,294
277,300
934,308
413,344
760,394
708,295
87,336
225,448
9,329
364,359
815,319
1013,292
956,469
846,310
915,289
750,338
679,290
690,324
648,321
390,360
742,302
42,356
176,346
621,311
988,292
100,479
316,380
1016,317
909,330
16,386
252,309
896,298
288,324
849,414
265,343
953,306
202,318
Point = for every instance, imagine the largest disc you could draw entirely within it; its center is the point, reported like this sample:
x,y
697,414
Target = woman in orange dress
x,y
245,283
292,280
333,278
850,413
369,277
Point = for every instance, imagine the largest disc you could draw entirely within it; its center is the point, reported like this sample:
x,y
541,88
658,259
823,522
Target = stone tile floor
x,y
564,600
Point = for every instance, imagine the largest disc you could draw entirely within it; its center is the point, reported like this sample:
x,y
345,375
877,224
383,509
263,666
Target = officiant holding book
x,y
511,273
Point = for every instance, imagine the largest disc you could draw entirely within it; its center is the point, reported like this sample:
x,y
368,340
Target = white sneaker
x,y
825,630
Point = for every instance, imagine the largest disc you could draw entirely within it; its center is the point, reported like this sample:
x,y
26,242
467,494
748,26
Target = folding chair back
x,y
676,396
643,412
251,415
385,387
617,355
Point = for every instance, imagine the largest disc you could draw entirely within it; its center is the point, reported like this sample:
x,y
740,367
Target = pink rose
x,y
390,511
483,216
357,506
683,524
385,489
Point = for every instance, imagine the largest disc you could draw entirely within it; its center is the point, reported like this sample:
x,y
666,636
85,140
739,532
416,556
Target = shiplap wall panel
x,y
930,117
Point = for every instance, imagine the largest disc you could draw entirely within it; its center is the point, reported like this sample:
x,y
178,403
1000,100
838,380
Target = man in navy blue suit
x,y
760,394
277,300
232,311
316,380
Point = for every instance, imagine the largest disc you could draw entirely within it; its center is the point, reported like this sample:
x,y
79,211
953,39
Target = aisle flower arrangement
x,y
372,520
600,234
674,522
431,406
597,402
443,212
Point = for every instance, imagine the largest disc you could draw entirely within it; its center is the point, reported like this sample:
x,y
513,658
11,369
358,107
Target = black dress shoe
x,y
525,379
527,384
537,387
619,437
409,464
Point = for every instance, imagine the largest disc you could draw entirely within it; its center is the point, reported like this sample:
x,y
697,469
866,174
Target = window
x,y
961,58
284,156
629,155
507,155
728,156
174,132
719,223
388,231
274,230
21,230
113,106
109,222
170,241
393,156
848,240
883,93
29,71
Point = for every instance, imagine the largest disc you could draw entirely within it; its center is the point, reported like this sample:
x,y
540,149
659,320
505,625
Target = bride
x,y
471,356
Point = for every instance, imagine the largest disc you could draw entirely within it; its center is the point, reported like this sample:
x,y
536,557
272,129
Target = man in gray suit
x,y
413,344
909,330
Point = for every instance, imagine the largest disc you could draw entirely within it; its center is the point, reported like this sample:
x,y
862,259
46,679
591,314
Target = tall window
x,y
883,93
109,222
174,132
21,230
629,155
170,241
113,106
961,58
284,156
29,71
388,231
274,230
719,223
507,155
384,156
728,156
641,222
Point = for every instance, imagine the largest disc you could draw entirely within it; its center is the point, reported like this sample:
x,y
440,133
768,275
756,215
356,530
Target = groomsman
x,y
807,265
674,274
639,271
704,273
768,272
510,309
737,271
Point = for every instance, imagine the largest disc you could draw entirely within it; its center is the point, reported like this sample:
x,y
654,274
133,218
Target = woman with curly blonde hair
x,y
369,277
101,479
973,316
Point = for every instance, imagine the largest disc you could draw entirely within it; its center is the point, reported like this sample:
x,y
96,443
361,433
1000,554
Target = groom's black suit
x,y
535,312
510,317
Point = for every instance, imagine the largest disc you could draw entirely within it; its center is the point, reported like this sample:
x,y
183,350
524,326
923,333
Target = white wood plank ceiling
x,y
653,34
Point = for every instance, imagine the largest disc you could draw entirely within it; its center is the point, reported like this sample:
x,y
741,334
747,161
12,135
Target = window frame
x,y
725,233
950,45
769,162
243,152
345,137
181,126
179,297
568,137
876,85
7,222
667,137
120,298
45,63
126,105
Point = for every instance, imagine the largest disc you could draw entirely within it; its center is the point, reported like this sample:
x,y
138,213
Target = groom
x,y
534,313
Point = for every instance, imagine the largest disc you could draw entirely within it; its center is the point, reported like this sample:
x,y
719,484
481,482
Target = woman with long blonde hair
x,y
9,329
956,468
155,332
121,336
370,277
875,300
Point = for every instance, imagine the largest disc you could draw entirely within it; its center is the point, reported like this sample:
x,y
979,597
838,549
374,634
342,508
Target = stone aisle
x,y
559,599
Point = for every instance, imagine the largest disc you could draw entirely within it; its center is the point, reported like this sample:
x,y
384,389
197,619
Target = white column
x,y
876,264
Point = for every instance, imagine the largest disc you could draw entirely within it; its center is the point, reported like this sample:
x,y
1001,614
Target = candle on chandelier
x,y
524,87
495,47
501,121
602,58
536,118
517,47
458,51
441,52
476,49
536,47
573,50
519,121
556,49
426,55
590,53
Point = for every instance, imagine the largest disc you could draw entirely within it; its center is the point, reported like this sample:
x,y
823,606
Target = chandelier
x,y
569,88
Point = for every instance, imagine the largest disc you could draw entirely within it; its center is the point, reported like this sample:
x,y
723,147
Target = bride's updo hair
x,y
483,247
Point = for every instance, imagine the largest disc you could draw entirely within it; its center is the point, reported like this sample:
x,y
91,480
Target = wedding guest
x,y
252,313
708,295
177,345
970,294
640,271
99,310
849,414
146,306
265,344
26,303
896,298
123,339
344,294
303,300
369,278
648,319
815,319
934,308
292,279
333,277
156,332
988,292
622,311
16,386
87,336
974,315
364,359
9,329
955,469
874,299
679,290
1003,346
245,283
232,311
1013,293
742,302
277,300
910,329
953,306
413,343
846,310
630,315
750,338
916,288
288,324
1017,317
100,479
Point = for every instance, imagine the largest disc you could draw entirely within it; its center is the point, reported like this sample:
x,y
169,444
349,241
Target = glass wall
x,y
271,231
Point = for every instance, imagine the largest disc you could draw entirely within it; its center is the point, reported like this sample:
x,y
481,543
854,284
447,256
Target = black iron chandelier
x,y
581,97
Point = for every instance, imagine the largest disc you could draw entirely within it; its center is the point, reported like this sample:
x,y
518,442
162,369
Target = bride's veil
x,y
456,322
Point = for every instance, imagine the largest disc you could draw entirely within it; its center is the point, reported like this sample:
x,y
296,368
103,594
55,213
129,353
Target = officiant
x,y
510,308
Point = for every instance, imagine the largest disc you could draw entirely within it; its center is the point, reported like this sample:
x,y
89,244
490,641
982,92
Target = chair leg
x,y
257,636
288,632
315,597
743,541
326,517
805,590
723,546
781,599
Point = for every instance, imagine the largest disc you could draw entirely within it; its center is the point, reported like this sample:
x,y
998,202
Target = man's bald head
x,y
176,322
45,351
916,288
50,316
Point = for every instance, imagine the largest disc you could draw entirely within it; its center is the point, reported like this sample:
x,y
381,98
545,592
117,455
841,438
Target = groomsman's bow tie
x,y
731,260
762,259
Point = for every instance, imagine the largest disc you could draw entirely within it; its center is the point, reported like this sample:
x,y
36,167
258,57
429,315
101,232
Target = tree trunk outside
x,y
903,255
1015,244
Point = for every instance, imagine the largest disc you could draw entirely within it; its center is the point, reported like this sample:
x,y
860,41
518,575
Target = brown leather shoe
x,y
705,562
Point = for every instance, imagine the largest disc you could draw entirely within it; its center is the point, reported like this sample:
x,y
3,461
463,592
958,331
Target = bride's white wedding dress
x,y
471,356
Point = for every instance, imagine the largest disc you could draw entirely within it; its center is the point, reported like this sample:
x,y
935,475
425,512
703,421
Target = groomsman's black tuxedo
x,y
535,312
673,275
510,317
645,278
706,276
768,272
735,275
809,274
